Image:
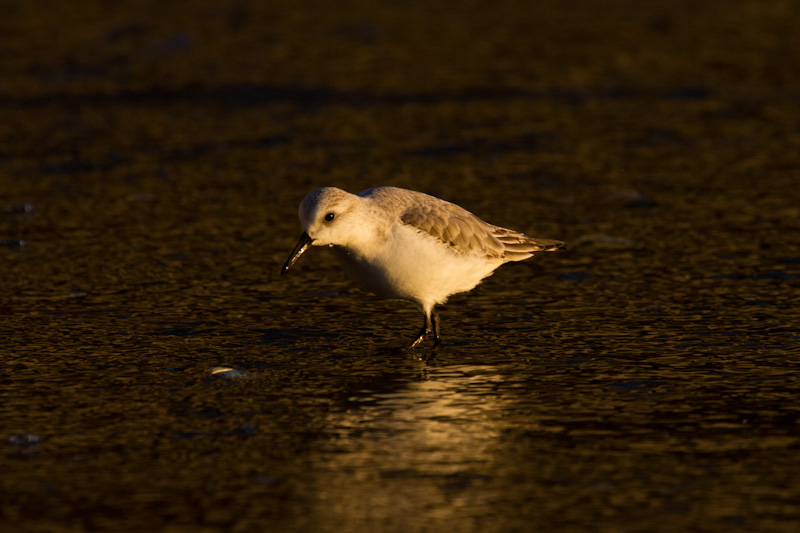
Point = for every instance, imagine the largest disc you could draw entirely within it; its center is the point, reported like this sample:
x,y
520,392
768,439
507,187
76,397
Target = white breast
x,y
415,266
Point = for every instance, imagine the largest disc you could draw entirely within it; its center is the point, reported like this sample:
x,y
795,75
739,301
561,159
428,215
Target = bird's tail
x,y
548,245
518,246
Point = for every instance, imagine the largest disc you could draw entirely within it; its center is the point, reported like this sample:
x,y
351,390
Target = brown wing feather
x,y
455,226
519,246
459,228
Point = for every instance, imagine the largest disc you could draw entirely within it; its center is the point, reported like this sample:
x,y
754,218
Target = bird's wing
x,y
455,226
518,246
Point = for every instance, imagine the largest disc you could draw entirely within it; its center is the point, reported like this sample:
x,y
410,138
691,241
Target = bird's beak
x,y
302,246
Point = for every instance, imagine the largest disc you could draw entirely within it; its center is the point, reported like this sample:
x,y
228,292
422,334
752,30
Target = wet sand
x,y
152,158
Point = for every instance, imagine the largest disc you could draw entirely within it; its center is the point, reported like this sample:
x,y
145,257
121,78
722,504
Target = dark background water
x,y
152,157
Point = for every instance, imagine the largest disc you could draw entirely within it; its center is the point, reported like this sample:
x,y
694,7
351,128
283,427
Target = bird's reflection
x,y
411,448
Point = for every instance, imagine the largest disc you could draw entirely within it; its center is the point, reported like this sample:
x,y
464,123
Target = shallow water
x,y
643,380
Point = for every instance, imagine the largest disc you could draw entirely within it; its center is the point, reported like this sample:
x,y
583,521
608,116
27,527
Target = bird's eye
x,y
329,217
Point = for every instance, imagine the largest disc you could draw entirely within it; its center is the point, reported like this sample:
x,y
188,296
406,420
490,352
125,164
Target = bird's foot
x,y
431,325
423,334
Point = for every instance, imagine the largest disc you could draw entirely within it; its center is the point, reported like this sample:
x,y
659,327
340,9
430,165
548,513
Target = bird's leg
x,y
431,325
437,339
426,327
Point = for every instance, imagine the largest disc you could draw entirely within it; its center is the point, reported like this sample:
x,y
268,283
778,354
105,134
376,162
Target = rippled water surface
x,y
158,374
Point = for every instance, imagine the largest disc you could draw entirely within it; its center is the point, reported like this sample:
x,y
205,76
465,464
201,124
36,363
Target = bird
x,y
408,245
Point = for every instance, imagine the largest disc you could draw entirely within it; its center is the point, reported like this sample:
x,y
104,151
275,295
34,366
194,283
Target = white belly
x,y
415,266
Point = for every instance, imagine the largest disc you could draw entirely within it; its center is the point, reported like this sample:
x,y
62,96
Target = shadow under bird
x,y
404,244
